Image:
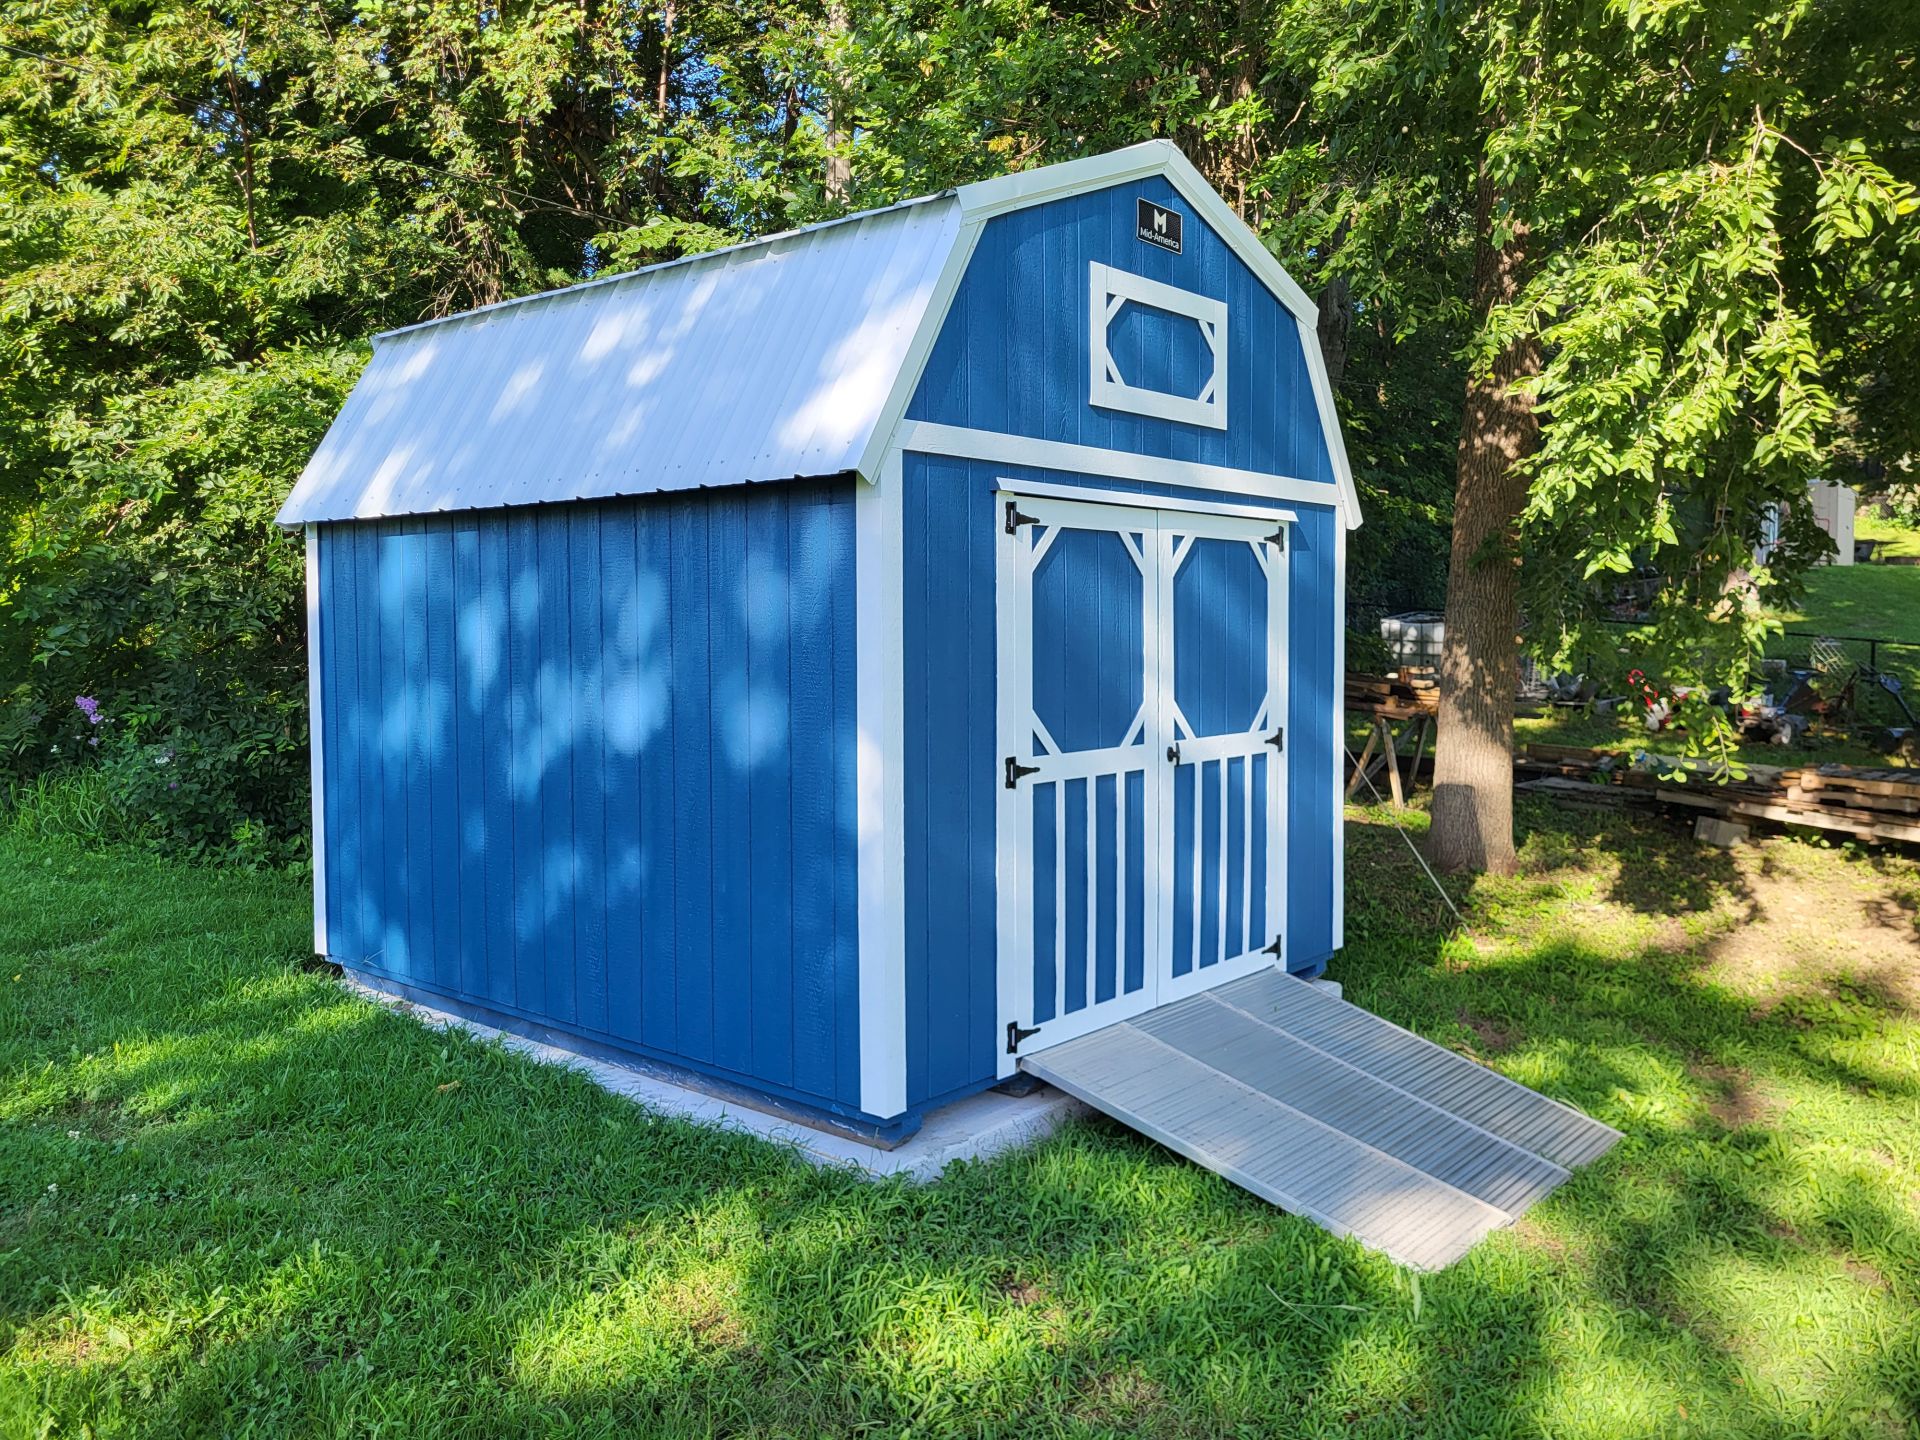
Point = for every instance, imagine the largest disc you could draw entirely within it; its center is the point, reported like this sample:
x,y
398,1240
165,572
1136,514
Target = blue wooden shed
x,y
844,665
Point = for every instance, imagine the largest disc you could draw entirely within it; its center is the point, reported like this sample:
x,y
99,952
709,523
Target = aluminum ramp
x,y
1332,1113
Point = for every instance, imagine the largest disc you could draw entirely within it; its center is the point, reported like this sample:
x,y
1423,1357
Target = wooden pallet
x,y
1403,695
1868,804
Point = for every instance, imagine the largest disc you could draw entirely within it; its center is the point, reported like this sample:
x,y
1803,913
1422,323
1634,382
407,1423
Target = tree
x,y
1688,257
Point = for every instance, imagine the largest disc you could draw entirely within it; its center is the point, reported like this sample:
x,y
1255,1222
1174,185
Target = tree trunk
x,y
1336,324
662,115
1479,663
839,177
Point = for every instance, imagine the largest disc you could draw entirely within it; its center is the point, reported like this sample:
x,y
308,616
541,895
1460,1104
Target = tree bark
x,y
1479,661
839,176
1336,324
662,115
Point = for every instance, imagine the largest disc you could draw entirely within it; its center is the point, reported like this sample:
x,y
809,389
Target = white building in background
x,y
1833,506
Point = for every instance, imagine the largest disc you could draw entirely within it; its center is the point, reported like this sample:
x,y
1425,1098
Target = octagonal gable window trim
x,y
1108,291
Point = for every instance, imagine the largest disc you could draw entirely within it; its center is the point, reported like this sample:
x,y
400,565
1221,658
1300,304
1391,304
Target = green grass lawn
x,y
1878,601
1901,540
236,1200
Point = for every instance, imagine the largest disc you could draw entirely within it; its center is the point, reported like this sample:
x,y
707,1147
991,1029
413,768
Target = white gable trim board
x,y
999,448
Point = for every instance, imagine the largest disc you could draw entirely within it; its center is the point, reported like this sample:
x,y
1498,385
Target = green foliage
x,y
203,213
150,578
1901,505
1717,204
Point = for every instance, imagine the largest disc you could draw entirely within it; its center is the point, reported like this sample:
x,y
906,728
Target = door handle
x,y
1173,754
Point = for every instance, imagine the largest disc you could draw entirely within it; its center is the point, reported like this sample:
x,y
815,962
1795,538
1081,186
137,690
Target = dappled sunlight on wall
x,y
595,765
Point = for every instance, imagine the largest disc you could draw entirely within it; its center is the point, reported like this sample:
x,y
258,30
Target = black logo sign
x,y
1159,226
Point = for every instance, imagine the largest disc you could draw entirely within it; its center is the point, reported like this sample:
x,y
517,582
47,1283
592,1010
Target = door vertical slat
x,y
1117,918
1220,958
1091,989
1199,844
1060,899
1247,938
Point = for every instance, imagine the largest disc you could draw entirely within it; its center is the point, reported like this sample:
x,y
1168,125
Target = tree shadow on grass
x,y
343,1221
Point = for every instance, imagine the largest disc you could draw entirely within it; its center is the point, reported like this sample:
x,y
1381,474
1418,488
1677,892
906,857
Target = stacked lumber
x,y
1869,804
1400,696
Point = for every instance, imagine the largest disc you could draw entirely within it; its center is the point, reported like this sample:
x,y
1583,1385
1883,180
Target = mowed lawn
x,y
236,1200
1879,601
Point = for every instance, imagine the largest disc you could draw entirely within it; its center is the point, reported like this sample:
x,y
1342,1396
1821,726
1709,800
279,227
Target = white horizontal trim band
x,y
990,445
1013,489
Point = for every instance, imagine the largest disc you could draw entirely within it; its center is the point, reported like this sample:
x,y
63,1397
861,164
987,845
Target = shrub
x,y
1901,504
148,575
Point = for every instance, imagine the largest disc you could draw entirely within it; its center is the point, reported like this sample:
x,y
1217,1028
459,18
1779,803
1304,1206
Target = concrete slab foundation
x,y
971,1129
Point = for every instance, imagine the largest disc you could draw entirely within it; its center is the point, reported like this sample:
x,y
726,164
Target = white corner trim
x,y
1329,420
316,746
880,760
1000,449
1339,737
1108,292
932,321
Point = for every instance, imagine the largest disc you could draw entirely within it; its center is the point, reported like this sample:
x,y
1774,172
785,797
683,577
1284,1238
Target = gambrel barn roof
x,y
784,358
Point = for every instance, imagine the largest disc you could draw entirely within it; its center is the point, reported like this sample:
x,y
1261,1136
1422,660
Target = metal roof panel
x,y
764,362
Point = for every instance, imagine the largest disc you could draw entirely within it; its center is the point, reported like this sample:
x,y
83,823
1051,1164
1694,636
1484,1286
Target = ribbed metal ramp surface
x,y
1332,1113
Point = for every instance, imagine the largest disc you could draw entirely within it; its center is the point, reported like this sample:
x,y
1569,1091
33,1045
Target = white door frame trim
x,y
1013,967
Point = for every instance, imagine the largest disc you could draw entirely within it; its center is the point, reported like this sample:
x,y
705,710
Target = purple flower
x,y
173,785
89,707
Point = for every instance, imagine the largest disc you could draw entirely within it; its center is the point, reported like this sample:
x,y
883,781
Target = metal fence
x,y
1882,675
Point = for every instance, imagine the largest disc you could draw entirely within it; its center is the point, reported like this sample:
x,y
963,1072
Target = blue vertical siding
x,y
949,737
1013,355
1313,743
950,722
593,765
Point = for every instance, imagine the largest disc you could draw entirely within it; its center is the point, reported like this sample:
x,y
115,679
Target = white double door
x,y
1142,818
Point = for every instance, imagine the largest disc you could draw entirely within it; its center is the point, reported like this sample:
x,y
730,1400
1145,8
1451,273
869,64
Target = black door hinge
x,y
1015,519
1015,1035
1278,539
1279,738
1278,948
1015,770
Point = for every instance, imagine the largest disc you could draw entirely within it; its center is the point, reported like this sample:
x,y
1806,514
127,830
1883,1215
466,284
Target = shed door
x,y
1140,668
